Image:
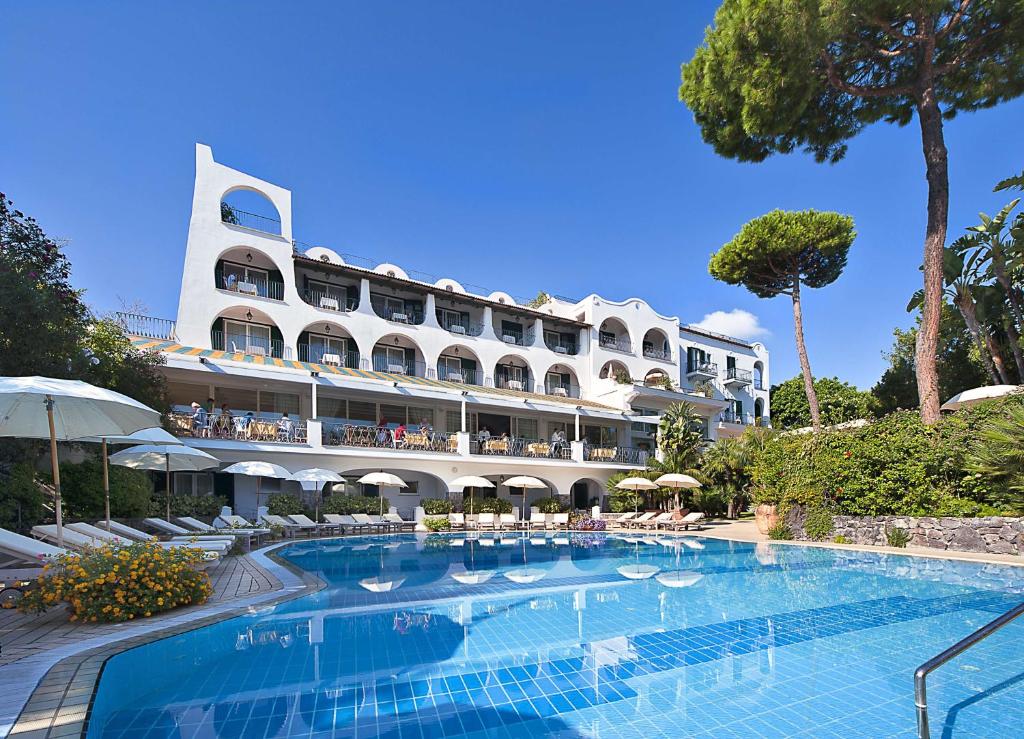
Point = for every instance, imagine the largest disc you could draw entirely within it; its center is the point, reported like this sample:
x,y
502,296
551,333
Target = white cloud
x,y
737,323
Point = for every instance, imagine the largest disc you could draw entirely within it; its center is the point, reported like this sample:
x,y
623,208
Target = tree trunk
x,y
805,365
965,303
1013,338
936,169
997,358
1015,319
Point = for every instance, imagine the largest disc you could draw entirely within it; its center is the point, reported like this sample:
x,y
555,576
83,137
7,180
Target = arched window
x,y
250,209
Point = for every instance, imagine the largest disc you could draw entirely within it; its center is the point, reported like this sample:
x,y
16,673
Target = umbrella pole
x,y
167,482
56,473
106,483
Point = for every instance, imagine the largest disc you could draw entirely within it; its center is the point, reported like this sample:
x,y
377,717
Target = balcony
x,y
616,344
561,347
257,346
461,328
393,366
651,353
517,337
705,370
562,390
735,377
616,455
329,300
374,437
318,355
238,426
741,419
235,217
151,328
253,286
518,447
519,384
401,315
464,376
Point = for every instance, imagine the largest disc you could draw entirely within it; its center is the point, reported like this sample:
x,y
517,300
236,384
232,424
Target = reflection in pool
x,y
584,635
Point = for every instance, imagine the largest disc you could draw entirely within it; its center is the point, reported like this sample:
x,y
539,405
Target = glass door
x,y
250,338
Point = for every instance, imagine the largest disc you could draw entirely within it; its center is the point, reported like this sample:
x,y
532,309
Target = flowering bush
x,y
113,583
583,522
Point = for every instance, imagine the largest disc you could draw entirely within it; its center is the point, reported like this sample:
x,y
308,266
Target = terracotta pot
x,y
765,516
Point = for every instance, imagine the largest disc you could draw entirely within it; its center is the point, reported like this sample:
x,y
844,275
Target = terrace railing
x,y
239,426
562,390
616,454
253,345
236,217
519,447
255,286
738,376
382,363
462,328
709,369
468,377
373,437
616,344
320,355
518,337
404,315
651,353
561,347
146,326
329,301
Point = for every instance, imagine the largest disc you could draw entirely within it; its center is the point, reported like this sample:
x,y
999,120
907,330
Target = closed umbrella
x,y
48,408
259,470
636,484
319,476
471,482
384,479
167,457
145,436
978,395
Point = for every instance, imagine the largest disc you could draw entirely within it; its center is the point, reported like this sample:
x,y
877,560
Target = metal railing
x,y
615,454
381,363
746,419
651,353
460,328
468,377
236,217
329,301
509,446
374,437
253,345
514,336
921,673
504,382
241,426
739,376
151,328
395,315
255,286
616,344
702,368
562,390
320,355
561,347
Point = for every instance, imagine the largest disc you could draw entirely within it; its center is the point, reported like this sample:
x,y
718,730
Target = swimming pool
x,y
585,635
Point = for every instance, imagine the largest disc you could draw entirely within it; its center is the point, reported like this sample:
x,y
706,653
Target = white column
x,y
364,298
538,332
430,312
488,327
576,437
312,406
463,427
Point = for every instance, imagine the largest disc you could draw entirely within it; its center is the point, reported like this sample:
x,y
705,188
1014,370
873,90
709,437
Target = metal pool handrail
x,y
921,673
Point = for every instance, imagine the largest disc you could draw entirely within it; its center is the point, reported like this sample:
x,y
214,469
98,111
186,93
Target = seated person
x,y
285,427
199,418
225,421
399,433
426,429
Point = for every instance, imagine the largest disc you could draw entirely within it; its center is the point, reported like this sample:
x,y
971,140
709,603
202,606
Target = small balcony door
x,y
320,345
245,337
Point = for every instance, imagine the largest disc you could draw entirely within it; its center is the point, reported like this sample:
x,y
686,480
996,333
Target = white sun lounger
x,y
538,520
77,540
399,522
205,529
127,531
507,521
485,521
172,529
638,522
695,519
235,521
659,520
560,520
344,521
457,520
303,520
623,521
102,535
291,528
26,549
365,520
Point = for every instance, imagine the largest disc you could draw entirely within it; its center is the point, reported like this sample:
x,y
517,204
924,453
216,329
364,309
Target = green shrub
x,y
780,531
486,505
436,505
818,524
841,539
349,504
21,502
712,501
285,504
897,537
549,505
200,506
437,523
82,488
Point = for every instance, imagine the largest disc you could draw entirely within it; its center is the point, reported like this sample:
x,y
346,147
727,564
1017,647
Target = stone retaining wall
x,y
993,534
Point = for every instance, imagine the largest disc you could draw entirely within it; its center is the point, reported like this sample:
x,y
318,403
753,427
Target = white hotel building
x,y
268,328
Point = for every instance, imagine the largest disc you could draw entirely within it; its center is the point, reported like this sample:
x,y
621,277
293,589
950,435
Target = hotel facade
x,y
378,368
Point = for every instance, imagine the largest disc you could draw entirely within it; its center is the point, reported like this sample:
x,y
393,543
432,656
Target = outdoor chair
x,y
344,521
399,522
457,521
303,520
102,536
290,528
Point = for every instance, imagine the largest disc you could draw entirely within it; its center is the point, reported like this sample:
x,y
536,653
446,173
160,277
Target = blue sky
x,y
516,145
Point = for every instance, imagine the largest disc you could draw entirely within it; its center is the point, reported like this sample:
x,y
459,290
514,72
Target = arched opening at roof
x,y
614,370
250,208
458,363
248,271
560,381
656,345
512,372
330,343
658,378
398,355
248,330
614,335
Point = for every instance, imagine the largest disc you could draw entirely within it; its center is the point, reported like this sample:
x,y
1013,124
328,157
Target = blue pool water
x,y
585,635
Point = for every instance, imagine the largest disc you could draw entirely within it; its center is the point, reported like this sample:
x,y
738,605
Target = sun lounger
x,y
694,519
507,521
345,523
457,521
79,541
365,520
20,548
205,531
622,521
560,520
659,520
172,529
399,522
110,537
384,523
538,520
128,532
640,521
303,520
235,522
485,521
290,528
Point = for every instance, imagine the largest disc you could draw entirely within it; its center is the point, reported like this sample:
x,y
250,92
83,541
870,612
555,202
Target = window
x,y
417,415
392,355
359,410
448,364
730,362
192,483
526,428
238,399
320,344
328,407
394,414
318,289
246,279
277,403
606,337
601,436
243,337
453,421
448,318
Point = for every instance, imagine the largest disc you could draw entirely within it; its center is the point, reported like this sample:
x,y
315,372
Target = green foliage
x,y
712,500
119,366
841,539
680,437
774,254
349,504
959,366
780,532
197,506
227,213
818,524
897,537
486,505
549,505
436,505
998,457
285,504
437,523
82,490
21,504
839,402
776,75
541,298
622,377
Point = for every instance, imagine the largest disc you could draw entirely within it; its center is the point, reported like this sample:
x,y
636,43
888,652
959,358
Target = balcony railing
x,y
519,447
561,347
329,301
616,344
461,328
255,345
736,376
651,353
382,363
616,454
404,315
236,217
320,355
515,336
707,369
240,426
504,382
467,377
151,328
254,286
412,439
733,417
562,390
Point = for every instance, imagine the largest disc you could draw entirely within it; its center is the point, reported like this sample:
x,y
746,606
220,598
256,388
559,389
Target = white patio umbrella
x,y
677,481
319,476
471,482
145,436
259,470
383,479
526,482
167,457
679,578
635,484
48,408
978,395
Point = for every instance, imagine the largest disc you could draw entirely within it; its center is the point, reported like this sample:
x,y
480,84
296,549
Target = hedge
x,y
348,504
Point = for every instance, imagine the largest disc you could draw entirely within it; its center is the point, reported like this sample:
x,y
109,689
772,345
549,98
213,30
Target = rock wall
x,y
993,534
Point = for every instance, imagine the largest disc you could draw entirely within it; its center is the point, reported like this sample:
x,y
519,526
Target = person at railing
x,y
399,433
426,429
285,428
231,281
199,419
242,424
558,443
383,435
483,435
225,421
